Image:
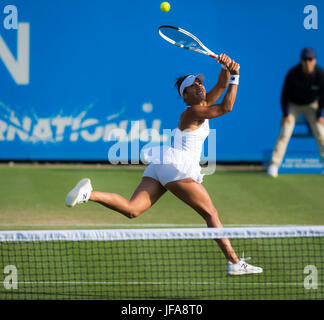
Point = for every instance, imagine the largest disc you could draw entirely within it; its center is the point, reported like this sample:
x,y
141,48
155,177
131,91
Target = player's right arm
x,y
216,110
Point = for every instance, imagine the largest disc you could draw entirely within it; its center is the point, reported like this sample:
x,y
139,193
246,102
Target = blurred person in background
x,y
303,92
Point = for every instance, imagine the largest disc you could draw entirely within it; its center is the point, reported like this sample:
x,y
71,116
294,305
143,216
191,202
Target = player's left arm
x,y
214,94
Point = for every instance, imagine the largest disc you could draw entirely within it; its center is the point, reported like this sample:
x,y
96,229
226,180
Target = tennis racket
x,y
184,39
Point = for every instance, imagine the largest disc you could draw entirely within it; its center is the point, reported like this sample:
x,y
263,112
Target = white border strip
x,y
159,234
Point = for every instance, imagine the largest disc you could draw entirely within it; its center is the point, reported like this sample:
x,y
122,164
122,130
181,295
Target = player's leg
x,y
283,140
196,196
317,128
145,195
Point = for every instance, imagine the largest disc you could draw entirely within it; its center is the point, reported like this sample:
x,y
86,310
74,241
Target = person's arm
x,y
216,110
286,94
285,98
321,98
214,94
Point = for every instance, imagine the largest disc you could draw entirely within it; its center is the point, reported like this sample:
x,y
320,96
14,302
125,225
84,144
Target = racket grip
x,y
215,56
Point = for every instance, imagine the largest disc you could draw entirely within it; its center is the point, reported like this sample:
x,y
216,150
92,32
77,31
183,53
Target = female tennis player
x,y
179,172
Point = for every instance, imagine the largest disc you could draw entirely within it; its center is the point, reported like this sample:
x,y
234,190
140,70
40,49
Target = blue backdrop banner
x,y
92,80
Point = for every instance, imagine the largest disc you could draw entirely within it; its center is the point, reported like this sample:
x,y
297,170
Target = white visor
x,y
187,82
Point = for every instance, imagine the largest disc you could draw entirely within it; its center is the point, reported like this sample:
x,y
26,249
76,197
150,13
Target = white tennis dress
x,y
181,161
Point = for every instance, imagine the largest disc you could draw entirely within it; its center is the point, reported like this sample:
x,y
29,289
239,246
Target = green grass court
x,y
161,269
32,197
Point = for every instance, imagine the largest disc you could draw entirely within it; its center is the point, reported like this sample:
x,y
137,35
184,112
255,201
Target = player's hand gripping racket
x,y
185,39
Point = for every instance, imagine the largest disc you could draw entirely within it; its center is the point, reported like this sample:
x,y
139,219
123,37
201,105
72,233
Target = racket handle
x,y
213,55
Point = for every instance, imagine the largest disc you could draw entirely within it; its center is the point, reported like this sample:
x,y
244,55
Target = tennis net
x,y
161,264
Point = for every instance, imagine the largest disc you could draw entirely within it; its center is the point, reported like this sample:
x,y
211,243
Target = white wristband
x,y
234,79
224,67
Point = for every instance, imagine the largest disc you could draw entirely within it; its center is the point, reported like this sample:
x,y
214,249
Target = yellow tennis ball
x,y
165,6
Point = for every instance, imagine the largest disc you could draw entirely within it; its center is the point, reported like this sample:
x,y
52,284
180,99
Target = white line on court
x,y
108,283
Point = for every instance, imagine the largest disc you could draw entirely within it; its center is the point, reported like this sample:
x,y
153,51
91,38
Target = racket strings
x,y
180,38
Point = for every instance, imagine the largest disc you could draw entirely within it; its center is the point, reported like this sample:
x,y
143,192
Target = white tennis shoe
x,y
234,269
273,171
79,194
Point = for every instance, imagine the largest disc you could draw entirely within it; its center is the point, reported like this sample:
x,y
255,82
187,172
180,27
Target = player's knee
x,y
320,138
284,136
134,212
